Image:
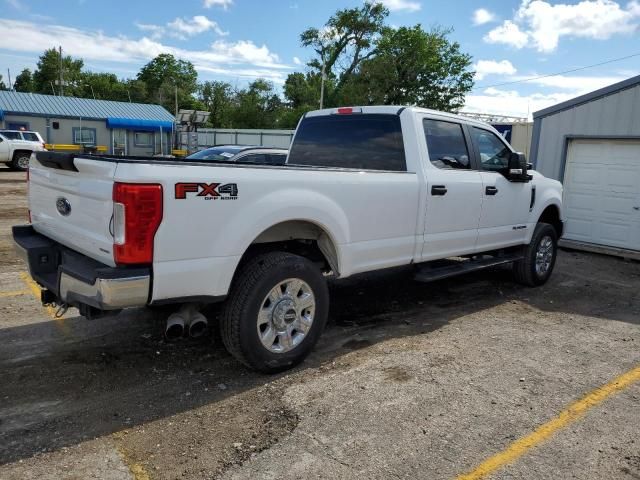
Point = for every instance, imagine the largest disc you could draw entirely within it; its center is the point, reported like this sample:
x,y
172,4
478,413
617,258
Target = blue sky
x,y
238,40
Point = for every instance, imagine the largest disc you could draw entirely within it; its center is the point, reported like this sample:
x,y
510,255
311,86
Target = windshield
x,y
216,154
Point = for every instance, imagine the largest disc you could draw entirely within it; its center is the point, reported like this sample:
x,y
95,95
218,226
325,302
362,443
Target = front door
x,y
119,146
454,192
505,204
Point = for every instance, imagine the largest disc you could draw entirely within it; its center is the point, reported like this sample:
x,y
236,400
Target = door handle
x,y
491,190
438,190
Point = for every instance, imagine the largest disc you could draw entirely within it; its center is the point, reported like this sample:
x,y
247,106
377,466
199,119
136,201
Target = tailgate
x,y
70,200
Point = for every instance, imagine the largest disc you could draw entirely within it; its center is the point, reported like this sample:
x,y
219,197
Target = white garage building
x,y
592,145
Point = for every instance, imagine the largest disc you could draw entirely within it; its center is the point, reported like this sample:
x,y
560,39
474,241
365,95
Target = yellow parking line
x,y
14,293
137,470
35,289
566,417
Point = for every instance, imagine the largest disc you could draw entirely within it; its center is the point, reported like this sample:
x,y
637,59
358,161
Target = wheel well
x,y
551,215
300,238
16,153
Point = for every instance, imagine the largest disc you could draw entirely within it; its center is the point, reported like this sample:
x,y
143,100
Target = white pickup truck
x,y
16,147
363,189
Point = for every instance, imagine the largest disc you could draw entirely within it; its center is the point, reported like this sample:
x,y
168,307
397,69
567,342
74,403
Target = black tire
x,y
254,281
525,270
18,159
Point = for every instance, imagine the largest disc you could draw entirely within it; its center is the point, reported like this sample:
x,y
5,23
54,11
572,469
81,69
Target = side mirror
x,y
518,168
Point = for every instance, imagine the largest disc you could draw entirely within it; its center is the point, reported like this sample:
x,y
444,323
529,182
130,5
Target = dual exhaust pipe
x,y
185,322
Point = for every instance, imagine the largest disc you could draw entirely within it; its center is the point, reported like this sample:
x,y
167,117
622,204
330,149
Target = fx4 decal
x,y
209,191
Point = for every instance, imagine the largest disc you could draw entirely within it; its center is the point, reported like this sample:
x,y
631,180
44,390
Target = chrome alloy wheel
x,y
544,256
286,315
23,162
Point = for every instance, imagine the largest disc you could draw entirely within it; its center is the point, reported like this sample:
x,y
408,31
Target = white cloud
x,y
297,61
579,85
504,101
154,31
508,33
541,25
218,3
233,58
17,4
492,67
401,5
511,102
182,28
482,16
194,26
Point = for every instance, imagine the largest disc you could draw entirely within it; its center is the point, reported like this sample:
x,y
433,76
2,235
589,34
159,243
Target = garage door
x,y
602,192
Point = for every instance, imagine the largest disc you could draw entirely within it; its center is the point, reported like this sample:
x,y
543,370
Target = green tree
x,y
136,90
257,106
347,39
46,77
218,99
413,67
163,75
24,82
102,86
2,85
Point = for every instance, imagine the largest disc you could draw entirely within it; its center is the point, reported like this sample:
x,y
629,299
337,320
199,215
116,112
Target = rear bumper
x,y
78,280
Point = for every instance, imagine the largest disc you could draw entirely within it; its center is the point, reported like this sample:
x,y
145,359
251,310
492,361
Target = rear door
x,y
454,191
71,202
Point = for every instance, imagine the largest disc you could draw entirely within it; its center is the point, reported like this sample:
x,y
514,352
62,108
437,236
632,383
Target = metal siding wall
x,y
37,124
521,137
616,114
266,138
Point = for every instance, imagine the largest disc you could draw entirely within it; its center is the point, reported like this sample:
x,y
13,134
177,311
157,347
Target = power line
x,y
557,73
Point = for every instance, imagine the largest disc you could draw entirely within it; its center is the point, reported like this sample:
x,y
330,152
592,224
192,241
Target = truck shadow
x,y
64,382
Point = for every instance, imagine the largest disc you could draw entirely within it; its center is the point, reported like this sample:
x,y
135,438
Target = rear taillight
x,y
137,213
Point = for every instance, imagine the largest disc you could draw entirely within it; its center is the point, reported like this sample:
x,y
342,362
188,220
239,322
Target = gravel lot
x,y
409,381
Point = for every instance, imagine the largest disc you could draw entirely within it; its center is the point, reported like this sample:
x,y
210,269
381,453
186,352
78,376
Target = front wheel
x,y
539,257
276,311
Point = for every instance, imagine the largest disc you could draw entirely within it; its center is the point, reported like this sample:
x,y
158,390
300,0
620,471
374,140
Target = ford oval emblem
x,y
63,206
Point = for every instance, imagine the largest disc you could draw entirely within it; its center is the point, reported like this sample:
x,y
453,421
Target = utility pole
x,y
322,85
92,92
61,73
176,99
10,84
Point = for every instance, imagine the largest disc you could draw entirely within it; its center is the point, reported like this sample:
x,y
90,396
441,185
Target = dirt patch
x,y
397,374
205,442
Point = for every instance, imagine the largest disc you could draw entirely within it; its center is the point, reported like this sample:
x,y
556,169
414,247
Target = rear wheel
x,y
276,311
21,161
539,257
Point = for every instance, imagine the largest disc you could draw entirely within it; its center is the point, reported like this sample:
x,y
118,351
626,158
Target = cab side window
x,y
494,154
447,145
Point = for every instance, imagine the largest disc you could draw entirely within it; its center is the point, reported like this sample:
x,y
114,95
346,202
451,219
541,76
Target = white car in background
x,y
16,147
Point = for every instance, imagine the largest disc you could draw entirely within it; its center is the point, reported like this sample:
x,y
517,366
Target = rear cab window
x,y
357,141
30,136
